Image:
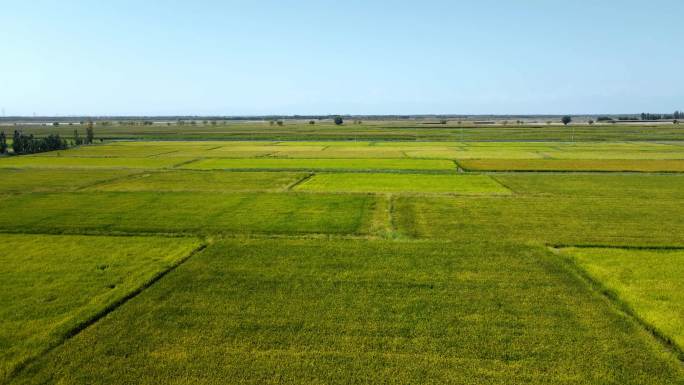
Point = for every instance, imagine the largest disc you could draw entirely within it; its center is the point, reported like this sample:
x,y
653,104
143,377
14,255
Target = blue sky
x,y
327,57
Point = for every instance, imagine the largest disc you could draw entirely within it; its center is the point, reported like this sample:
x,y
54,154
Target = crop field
x,y
644,165
323,164
30,180
381,130
86,163
389,253
53,285
203,181
648,281
403,183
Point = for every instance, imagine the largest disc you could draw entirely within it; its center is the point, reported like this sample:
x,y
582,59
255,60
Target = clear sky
x,y
354,56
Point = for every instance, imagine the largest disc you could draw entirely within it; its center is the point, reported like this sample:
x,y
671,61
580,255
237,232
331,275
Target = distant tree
x,y
193,122
312,122
566,120
180,122
213,122
270,122
280,122
338,120
3,143
90,135
443,121
77,138
55,124
548,122
591,122
674,122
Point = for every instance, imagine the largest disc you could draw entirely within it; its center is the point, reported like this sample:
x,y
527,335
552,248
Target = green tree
x,y
3,143
566,120
77,138
338,120
90,135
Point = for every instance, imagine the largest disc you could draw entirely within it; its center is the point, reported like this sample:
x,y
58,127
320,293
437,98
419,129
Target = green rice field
x,y
649,282
403,183
53,286
384,253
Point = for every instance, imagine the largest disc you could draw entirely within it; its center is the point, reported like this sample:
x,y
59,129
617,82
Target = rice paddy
x,y
315,260
53,285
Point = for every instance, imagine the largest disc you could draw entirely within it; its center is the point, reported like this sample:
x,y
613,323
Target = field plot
x,y
50,285
88,163
324,164
325,311
573,165
649,282
129,150
545,220
403,183
207,181
642,185
188,212
21,181
343,153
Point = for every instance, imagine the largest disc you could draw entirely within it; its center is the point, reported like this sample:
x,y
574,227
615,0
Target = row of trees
x,y
675,115
28,144
89,138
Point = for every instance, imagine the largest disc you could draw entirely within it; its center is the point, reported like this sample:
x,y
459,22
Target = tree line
x,y
675,115
23,144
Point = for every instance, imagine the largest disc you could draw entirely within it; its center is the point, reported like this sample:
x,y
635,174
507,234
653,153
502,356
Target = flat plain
x,y
375,253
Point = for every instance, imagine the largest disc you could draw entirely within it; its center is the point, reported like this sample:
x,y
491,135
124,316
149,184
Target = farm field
x,y
648,281
203,181
53,285
379,130
85,163
403,183
642,165
244,310
31,180
362,260
323,164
